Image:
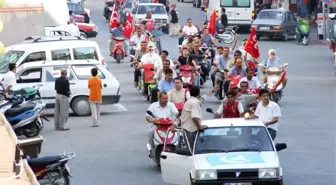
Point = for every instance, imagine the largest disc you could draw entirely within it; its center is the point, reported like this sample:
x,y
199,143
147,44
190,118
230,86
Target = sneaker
x,y
95,125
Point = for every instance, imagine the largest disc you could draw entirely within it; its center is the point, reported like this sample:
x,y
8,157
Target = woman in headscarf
x,y
174,22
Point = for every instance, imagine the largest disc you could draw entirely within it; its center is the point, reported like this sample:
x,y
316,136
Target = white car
x,y
229,152
44,74
159,14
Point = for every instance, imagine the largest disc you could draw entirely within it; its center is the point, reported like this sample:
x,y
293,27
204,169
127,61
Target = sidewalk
x,y
314,36
7,175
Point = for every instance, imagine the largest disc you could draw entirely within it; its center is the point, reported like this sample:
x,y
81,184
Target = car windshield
x,y
11,56
156,10
233,139
275,15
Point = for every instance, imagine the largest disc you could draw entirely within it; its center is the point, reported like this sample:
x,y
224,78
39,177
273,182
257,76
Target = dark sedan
x,y
275,23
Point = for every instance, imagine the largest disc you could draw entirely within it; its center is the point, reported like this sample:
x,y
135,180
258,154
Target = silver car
x,y
275,23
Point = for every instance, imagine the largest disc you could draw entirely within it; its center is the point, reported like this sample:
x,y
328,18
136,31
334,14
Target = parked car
x,y
275,23
159,14
77,9
86,30
44,74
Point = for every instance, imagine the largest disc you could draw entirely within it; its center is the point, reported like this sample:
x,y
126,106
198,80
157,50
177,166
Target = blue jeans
x,y
197,80
272,132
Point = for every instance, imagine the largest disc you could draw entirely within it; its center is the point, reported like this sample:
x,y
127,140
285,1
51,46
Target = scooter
x,y
52,169
187,76
149,73
302,32
108,9
274,82
119,49
160,136
228,36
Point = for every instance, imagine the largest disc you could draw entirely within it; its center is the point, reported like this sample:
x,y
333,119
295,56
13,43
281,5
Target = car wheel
x,y
285,36
178,0
81,106
83,35
270,37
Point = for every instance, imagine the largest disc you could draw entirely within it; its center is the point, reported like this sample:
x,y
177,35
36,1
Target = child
x,y
95,98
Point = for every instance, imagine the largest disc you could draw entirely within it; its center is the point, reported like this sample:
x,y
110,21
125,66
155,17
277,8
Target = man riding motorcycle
x,y
273,61
209,41
136,39
188,29
198,56
160,109
137,61
253,82
117,32
178,94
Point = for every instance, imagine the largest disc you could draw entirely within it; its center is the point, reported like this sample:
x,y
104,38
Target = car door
x,y
230,9
293,22
30,77
51,74
175,168
243,12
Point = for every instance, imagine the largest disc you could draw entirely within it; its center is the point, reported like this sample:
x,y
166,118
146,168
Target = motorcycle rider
x,y
273,61
223,19
209,41
185,59
198,57
230,108
117,32
253,82
160,109
161,73
189,29
178,94
268,112
137,62
165,84
136,39
151,57
164,56
237,69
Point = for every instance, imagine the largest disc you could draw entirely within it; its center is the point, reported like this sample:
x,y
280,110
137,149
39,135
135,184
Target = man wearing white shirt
x,y
268,112
9,79
253,82
137,38
152,58
160,109
73,28
189,29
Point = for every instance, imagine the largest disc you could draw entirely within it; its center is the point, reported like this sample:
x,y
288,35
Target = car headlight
x,y
206,175
269,173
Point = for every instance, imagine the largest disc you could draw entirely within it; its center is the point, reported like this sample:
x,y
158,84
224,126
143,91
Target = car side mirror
x,y
280,146
183,151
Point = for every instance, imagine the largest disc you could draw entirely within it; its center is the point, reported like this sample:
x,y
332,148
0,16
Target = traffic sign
x,y
328,2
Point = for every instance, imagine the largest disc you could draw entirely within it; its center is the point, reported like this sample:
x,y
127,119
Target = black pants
x,y
154,96
180,40
205,71
213,79
137,74
226,86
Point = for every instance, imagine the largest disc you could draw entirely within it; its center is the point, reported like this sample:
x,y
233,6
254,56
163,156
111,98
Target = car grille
x,y
243,174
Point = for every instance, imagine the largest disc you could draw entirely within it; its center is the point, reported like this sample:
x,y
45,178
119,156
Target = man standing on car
x,y
9,79
62,87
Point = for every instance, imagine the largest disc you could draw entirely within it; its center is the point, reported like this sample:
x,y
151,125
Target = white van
x,y
50,49
239,12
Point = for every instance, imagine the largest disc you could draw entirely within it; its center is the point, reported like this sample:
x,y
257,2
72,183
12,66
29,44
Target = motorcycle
x,y
302,32
187,76
228,36
160,136
25,117
52,169
119,49
108,9
149,73
274,82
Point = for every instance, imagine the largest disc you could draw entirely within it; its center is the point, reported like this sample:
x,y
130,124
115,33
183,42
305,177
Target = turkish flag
x,y
128,26
251,46
212,24
114,17
280,81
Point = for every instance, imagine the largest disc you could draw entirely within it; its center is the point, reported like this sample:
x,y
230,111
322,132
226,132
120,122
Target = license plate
x,y
241,183
264,28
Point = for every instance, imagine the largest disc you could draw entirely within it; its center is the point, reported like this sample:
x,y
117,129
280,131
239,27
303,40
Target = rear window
x,y
226,3
156,10
11,56
275,15
83,72
243,3
85,53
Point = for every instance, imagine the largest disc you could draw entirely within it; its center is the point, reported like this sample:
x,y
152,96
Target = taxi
x,y
231,151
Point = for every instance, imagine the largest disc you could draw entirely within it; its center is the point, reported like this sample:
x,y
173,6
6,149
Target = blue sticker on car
x,y
235,158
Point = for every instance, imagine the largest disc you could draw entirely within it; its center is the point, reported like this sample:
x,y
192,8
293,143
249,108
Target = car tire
x,y
83,35
80,106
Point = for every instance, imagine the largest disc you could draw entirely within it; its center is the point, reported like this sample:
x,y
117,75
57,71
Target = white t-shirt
x,y
189,30
253,83
136,40
220,109
73,28
169,111
152,58
266,114
9,79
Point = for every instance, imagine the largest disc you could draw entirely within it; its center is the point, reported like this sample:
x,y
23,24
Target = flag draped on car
x,y
128,26
251,46
212,24
114,17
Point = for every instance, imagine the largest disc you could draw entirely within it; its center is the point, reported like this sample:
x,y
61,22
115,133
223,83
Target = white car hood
x,y
237,160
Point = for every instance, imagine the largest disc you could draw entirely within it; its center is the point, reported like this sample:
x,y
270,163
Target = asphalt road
x,y
115,152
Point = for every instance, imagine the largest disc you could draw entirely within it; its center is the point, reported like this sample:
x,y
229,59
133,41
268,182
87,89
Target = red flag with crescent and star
x,y
128,26
212,24
114,17
251,46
